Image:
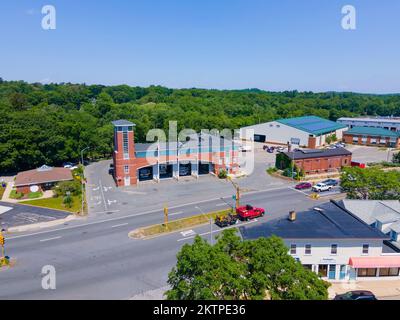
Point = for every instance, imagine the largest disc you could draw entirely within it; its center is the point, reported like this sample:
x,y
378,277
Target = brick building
x,y
157,161
316,160
370,136
41,179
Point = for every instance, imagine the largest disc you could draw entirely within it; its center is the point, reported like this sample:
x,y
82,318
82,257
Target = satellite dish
x,y
34,188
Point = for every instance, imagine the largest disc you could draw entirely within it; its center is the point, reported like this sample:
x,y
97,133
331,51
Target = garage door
x,y
166,171
185,169
146,174
259,138
204,168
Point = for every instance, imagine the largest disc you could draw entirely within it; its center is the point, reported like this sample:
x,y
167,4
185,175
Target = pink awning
x,y
375,262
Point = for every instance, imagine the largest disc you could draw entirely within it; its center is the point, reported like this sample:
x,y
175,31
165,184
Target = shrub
x,y
272,170
223,174
68,187
68,201
16,195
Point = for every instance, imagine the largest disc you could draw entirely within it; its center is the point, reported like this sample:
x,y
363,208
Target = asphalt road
x,y
95,259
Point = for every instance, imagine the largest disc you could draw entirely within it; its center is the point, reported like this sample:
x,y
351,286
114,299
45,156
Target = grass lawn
x,y
2,191
176,225
57,203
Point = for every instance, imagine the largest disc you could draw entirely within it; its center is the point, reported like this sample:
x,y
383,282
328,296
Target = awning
x,y
375,262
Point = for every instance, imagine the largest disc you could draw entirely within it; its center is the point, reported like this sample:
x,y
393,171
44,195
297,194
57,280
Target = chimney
x,y
292,216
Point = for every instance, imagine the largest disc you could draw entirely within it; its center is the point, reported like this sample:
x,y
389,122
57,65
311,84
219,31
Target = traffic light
x,y
2,240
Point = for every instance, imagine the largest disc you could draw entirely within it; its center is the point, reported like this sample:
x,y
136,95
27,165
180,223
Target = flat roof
x,y
312,124
122,123
388,119
373,132
317,153
327,221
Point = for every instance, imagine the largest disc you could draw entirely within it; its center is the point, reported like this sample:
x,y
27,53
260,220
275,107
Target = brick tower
x,y
124,153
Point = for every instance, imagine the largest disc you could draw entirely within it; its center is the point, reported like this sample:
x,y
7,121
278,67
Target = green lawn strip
x,y
177,225
35,195
56,203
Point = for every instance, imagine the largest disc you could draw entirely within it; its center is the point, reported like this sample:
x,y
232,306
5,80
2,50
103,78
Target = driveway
x,y
365,154
14,215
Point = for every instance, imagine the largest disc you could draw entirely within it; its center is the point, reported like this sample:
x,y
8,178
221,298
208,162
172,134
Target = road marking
x,y
294,189
135,215
120,225
102,194
49,239
188,233
176,213
221,205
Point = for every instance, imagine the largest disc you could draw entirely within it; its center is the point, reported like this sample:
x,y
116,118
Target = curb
x,y
41,225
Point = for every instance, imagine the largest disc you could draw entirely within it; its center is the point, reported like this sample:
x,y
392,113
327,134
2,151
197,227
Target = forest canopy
x,y
51,123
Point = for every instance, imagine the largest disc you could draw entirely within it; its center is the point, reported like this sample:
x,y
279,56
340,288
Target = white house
x,y
333,243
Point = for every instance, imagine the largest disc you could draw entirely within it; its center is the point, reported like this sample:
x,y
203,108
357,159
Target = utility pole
x,y
166,216
3,251
82,177
237,197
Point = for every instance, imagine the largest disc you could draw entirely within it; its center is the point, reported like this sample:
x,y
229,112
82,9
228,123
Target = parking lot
x,y
364,154
104,198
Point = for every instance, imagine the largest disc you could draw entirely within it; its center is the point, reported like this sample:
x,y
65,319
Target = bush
x,y
68,201
272,170
68,187
223,174
16,195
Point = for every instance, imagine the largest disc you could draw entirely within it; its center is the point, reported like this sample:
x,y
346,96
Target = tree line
x,y
51,123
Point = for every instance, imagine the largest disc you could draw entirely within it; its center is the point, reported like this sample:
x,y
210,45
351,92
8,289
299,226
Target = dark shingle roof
x,y
317,153
330,222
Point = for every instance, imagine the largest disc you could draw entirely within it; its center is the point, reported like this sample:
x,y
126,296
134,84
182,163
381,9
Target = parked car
x,y
270,150
331,182
280,149
321,187
226,221
249,212
356,295
68,165
303,185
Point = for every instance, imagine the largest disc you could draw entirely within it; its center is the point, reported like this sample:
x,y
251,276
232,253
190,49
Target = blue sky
x,y
224,44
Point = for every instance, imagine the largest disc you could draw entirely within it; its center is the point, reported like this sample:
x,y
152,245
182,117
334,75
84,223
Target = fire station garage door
x,y
146,174
204,168
166,171
185,169
260,138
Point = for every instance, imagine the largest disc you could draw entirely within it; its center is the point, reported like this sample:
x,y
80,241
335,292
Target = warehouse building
x,y
370,136
199,155
315,161
308,131
334,243
388,123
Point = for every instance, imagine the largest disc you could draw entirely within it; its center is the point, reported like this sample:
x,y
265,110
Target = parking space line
x,y
176,213
294,189
49,239
221,205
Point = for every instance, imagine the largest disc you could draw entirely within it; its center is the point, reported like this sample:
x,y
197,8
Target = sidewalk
x,y
381,288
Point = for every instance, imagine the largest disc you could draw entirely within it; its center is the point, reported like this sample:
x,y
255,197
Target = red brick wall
x,y
325,164
26,189
348,138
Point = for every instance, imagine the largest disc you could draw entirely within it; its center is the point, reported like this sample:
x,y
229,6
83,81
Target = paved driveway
x,y
365,154
13,215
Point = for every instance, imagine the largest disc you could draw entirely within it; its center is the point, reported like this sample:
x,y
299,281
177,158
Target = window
x,y
365,249
308,266
126,169
366,272
308,249
126,145
393,235
293,249
388,272
334,249
323,270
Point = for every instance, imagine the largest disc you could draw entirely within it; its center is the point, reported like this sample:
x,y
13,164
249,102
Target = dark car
x,y
331,182
303,185
356,295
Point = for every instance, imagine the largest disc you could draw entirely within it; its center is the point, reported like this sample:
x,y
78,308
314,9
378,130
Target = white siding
x,y
275,132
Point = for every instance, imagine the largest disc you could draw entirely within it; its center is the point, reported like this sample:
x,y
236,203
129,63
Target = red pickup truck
x,y
249,212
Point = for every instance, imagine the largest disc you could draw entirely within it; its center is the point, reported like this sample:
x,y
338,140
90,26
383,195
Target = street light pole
x,y
82,177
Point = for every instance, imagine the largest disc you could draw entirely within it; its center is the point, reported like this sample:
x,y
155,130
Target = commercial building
x,y
370,136
314,161
334,243
43,178
198,155
309,131
383,215
388,123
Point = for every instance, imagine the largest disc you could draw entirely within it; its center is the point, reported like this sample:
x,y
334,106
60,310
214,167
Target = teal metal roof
x,y
312,124
369,131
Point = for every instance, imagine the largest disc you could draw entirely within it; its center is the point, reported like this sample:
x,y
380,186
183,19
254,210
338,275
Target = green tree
x,y
396,157
236,269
